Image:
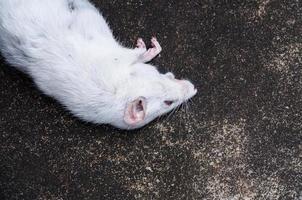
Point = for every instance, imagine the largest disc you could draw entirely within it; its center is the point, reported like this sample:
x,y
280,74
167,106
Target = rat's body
x,y
68,49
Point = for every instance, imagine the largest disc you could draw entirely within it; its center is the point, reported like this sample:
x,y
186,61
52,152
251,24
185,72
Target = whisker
x,y
182,106
192,101
189,106
170,114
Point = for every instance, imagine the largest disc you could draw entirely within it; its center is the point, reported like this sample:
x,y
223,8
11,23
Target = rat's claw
x,y
140,43
156,45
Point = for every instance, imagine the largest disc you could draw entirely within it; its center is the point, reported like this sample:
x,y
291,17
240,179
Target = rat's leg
x,y
152,52
145,55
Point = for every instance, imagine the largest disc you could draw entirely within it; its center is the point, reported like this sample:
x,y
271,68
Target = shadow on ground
x,y
241,139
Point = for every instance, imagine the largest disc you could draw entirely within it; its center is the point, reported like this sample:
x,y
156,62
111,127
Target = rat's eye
x,y
168,103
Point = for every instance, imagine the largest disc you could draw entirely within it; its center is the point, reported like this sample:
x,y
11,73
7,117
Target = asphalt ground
x,y
241,138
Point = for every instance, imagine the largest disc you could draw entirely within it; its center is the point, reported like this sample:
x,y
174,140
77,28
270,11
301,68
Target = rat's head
x,y
149,94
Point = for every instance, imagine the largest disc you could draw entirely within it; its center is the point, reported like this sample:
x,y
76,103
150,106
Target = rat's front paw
x,y
140,43
154,51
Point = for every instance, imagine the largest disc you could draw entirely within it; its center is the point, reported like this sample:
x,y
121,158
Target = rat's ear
x,y
170,75
135,111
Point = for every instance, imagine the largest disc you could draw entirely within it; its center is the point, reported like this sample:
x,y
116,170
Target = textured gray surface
x,y
241,139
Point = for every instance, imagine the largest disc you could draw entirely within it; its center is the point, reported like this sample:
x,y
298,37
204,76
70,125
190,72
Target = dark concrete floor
x,y
241,139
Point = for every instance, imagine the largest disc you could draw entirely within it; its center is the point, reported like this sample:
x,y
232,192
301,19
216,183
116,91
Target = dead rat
x,y
68,49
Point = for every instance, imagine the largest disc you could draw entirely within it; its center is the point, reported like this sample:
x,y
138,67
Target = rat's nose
x,y
188,88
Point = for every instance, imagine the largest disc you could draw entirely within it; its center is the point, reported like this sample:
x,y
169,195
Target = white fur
x,y
71,55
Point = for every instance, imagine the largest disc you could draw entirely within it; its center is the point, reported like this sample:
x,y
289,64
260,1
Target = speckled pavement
x,y
241,138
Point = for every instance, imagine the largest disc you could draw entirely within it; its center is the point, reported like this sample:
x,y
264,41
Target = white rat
x,y
68,49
